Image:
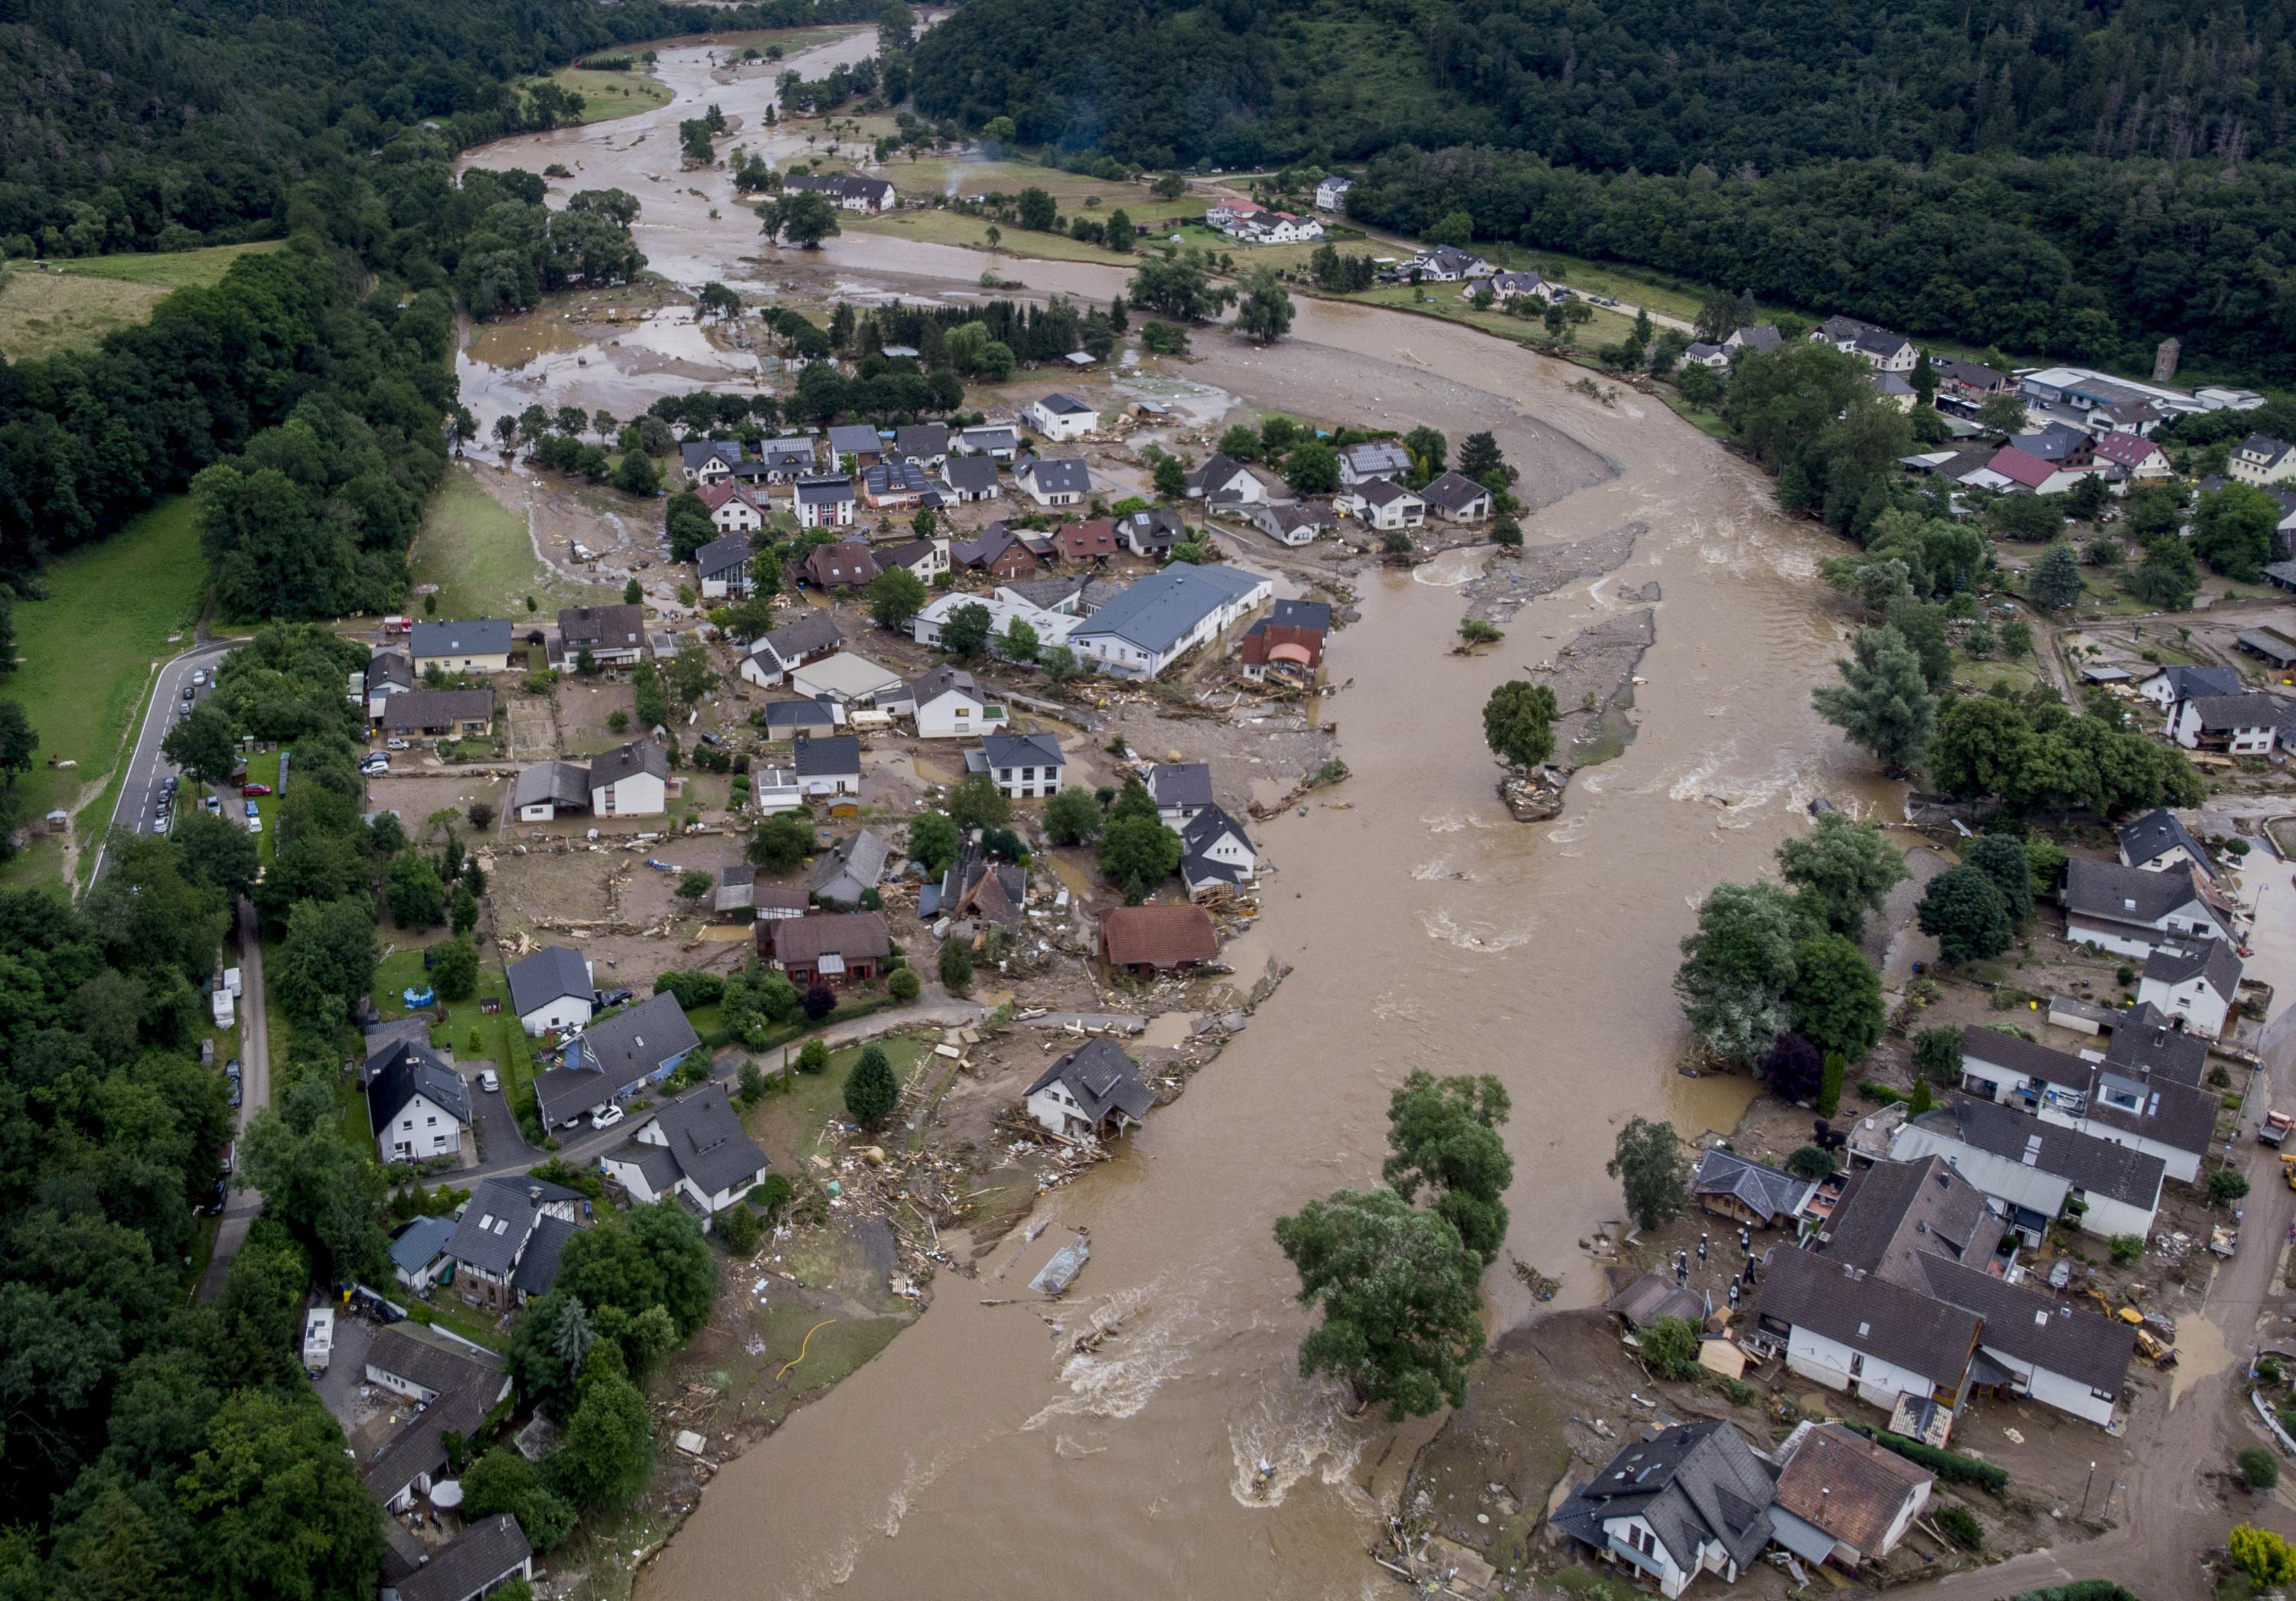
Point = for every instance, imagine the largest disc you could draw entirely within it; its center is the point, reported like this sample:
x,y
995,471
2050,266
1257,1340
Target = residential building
x,y
1287,650
1842,1499
551,991
896,486
951,704
2144,1048
1149,940
478,646
497,1228
1853,1330
1510,287
453,1384
2001,1066
1224,479
846,191
1180,789
924,443
1024,767
724,567
1258,224
1060,417
613,1056
1071,594
1761,337
1372,458
1093,541
2036,1172
1093,1092
1885,351
452,712
1057,483
1968,379
827,767
418,1251
1747,1192
1331,193
777,461
614,636
630,781
848,870
1294,524
1444,264
486,1556
856,445
1151,533
1892,388
1217,856
1004,609
1455,497
927,558
1695,1499
737,888
2170,688
2135,1098
1705,355
2260,459
2241,725
1383,504
548,788
388,673
803,719
844,678
969,478
2193,983
835,948
771,656
999,553
2074,1359
693,1148
2012,471
824,501
977,890
733,508
709,461
2134,454
418,1107
2130,911
848,564
773,790
998,441
2158,841
1160,618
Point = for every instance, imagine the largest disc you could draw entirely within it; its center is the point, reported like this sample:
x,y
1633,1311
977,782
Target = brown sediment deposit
x,y
982,1453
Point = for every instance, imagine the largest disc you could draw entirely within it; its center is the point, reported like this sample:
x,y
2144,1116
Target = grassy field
x,y
76,303
477,553
501,1039
262,767
1444,301
606,96
113,610
790,1127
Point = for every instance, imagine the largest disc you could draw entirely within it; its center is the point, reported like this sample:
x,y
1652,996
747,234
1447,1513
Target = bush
x,y
2258,1469
740,1229
2127,1248
1881,1093
752,1082
1812,1163
1937,1053
2226,1185
775,1193
820,1001
1959,1525
693,989
1670,1346
903,986
1946,1465
871,1092
813,1057
955,966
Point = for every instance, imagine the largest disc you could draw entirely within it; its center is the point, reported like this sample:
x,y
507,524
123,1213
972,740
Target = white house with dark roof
x,y
1359,464
969,478
2241,725
1745,1191
418,1106
1763,336
1059,480
548,788
2260,460
2031,1169
1180,789
693,1148
630,781
1695,1499
771,657
2130,911
551,991
924,443
487,1555
418,1251
998,441
1383,504
2170,688
1224,479
613,1056
1091,1093
2195,983
1162,617
1510,287
1332,193
1215,854
1444,264
825,501
724,566
614,636
1060,417
2124,1100
2158,841
1455,498
848,870
828,767
478,645
706,460
949,703
499,1225
388,673
1885,351
1023,767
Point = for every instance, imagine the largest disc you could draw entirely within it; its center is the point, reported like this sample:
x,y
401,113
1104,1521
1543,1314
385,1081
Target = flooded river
x,y
977,1456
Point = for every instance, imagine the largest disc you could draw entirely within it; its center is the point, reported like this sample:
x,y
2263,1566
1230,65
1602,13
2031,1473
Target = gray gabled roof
x,y
1023,749
478,636
615,627
2180,1116
496,1220
2155,834
1897,1210
482,1554
970,473
1064,405
2143,1046
1216,473
823,491
730,554
624,761
1156,612
2020,1055
2112,893
1058,475
419,709
549,974
834,756
860,859
1695,1485
1761,1189
2118,1172
538,1269
1454,492
814,631
2083,1346
855,439
560,782
922,439
707,1141
1384,491
2213,961
1202,832
386,668
404,1070
1904,1327
431,1361
1179,784
694,453
2249,711
628,1045
1102,1078
418,1244
783,717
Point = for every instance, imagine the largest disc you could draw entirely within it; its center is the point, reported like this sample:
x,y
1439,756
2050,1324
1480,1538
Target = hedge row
x,y
1945,1464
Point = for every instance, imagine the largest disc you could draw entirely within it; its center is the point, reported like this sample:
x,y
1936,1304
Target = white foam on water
x,y
915,1480
1158,1332
1283,1438
1568,830
1452,822
1439,925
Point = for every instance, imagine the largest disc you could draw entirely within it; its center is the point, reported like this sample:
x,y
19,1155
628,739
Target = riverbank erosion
x,y
982,1453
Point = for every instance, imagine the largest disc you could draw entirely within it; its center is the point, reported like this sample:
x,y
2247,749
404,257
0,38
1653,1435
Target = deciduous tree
x,y
1649,1164
1442,1136
1883,702
1840,871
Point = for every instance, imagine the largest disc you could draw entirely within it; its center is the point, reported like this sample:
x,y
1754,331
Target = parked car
x,y
375,764
253,810
611,997
488,1080
170,784
607,1117
160,825
233,1098
189,693
199,678
231,1068
254,789
213,805
396,743
709,737
255,825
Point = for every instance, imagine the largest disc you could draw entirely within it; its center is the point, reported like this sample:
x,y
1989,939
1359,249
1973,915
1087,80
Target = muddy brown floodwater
x,y
977,1456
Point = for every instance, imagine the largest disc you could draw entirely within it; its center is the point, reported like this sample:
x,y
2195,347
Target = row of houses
x,y
1250,222
1371,488
629,781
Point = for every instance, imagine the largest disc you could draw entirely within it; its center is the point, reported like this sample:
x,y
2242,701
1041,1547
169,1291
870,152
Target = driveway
x,y
147,768
501,1141
241,1205
339,1387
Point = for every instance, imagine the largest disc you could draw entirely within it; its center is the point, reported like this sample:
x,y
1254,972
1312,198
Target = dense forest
x,y
2074,178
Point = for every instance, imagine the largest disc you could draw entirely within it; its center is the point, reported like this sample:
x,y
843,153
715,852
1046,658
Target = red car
x,y
254,789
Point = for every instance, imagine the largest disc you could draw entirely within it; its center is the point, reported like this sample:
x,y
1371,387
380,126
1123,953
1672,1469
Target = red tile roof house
x,y
1149,939
2029,472
1093,541
844,565
2133,454
836,948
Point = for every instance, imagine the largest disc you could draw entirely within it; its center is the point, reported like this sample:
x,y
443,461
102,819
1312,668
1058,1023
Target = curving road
x,y
147,768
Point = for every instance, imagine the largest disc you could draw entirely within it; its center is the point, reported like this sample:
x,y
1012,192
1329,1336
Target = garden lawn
x,y
477,554
73,304
606,96
262,767
501,1039
792,1127
113,610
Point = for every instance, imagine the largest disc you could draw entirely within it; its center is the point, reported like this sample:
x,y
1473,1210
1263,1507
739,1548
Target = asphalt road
x,y
147,768
241,1205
